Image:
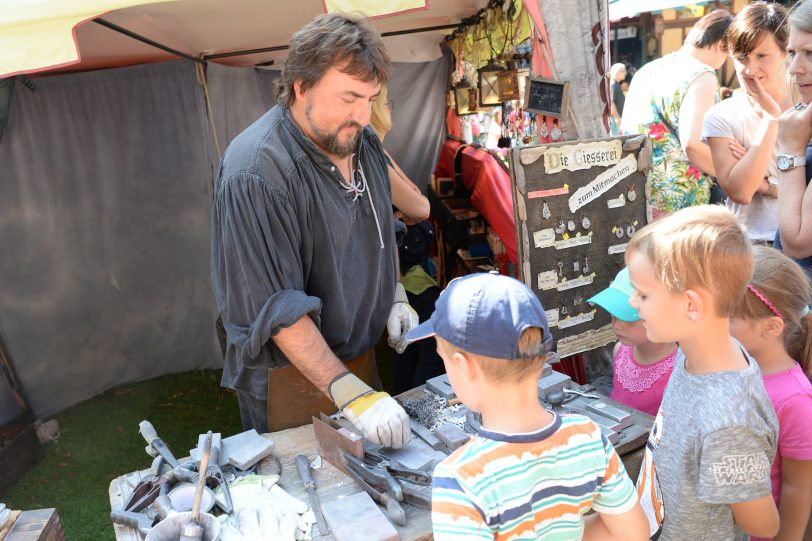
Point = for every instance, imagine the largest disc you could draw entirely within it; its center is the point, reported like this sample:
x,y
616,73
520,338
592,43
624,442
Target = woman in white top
x,y
742,130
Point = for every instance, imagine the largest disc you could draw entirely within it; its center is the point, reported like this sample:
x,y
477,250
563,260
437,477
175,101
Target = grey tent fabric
x,y
418,119
239,96
105,217
105,191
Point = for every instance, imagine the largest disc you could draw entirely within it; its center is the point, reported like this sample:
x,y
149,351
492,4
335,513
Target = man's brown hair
x,y
754,21
710,29
703,246
337,40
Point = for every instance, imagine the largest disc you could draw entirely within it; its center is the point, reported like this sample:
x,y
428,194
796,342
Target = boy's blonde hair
x,y
783,283
703,246
509,370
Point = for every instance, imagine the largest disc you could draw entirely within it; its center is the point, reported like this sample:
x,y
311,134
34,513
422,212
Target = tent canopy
x,y
38,35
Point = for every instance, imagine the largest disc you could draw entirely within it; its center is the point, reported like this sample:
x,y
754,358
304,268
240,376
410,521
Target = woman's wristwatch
x,y
785,162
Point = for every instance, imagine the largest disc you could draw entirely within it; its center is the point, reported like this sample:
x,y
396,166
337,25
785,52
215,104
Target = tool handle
x,y
148,431
394,509
303,465
201,482
125,518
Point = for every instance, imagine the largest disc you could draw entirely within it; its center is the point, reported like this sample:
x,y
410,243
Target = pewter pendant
x,y
586,265
564,310
555,134
545,211
576,266
630,230
619,232
571,225
561,269
578,300
560,227
543,131
585,222
632,194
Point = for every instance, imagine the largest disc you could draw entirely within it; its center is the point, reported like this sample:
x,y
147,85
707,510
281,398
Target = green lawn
x,y
99,441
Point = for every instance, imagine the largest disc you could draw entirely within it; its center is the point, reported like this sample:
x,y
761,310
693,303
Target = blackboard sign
x,y
546,96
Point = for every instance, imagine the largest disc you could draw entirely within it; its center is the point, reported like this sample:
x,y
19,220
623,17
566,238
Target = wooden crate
x,y
39,525
19,451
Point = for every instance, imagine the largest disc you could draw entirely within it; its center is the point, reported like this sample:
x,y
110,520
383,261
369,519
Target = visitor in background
x,y
667,100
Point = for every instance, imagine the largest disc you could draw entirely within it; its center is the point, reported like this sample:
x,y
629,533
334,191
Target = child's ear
x,y
468,366
695,305
773,327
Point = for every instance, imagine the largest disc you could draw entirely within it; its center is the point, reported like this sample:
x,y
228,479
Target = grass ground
x,y
99,441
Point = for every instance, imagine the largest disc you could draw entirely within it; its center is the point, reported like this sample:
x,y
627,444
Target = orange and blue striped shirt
x,y
529,486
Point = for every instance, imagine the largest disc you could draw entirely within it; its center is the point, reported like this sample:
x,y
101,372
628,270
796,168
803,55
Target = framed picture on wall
x,y
466,100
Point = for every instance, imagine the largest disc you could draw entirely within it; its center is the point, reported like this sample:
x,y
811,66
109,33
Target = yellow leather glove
x,y
377,415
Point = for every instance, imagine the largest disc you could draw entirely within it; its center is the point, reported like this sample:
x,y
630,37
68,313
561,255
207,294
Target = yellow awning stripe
x,y
39,34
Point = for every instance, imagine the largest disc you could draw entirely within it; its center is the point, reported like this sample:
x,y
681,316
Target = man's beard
x,y
329,140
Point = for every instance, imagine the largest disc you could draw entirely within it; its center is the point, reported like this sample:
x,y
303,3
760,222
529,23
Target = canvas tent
x,y
107,167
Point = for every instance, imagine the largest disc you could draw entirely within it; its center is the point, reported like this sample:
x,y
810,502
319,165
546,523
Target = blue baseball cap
x,y
486,314
615,298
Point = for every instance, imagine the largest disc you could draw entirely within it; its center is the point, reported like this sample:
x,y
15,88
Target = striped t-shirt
x,y
529,486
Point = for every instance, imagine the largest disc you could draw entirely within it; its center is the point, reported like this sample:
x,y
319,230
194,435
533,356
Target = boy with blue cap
x,y
529,473
641,367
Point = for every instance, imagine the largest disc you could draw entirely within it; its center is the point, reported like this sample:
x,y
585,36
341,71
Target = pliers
x,y
396,470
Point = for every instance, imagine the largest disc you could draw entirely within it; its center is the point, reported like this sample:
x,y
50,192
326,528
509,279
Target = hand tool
x,y
427,436
303,465
416,497
375,476
214,472
393,508
140,521
193,530
396,469
155,444
581,393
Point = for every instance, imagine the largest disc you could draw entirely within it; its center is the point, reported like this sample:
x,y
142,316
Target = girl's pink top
x,y
640,386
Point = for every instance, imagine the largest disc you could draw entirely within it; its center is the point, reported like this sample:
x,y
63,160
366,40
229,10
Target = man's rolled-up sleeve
x,y
257,266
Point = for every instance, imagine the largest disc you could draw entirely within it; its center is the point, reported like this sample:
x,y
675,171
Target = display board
x,y
576,206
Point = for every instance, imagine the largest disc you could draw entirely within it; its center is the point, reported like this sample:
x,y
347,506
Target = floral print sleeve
x,y
674,182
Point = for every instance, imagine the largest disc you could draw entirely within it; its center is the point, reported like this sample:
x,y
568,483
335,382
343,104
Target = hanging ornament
x,y
586,265
585,222
561,269
545,211
630,230
570,225
560,227
632,195
576,266
619,231
555,135
543,131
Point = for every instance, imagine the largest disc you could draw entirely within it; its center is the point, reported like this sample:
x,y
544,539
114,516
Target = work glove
x,y
377,415
402,319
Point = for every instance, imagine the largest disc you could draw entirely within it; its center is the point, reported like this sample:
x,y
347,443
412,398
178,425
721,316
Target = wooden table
x,y
332,484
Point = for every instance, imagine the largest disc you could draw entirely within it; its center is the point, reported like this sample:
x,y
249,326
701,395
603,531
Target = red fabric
x,y
445,162
490,190
489,185
572,366
452,123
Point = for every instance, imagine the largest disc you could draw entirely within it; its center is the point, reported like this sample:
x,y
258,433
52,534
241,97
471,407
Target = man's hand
x,y
402,319
379,417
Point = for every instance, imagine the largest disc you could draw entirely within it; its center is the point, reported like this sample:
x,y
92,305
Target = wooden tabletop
x,y
332,484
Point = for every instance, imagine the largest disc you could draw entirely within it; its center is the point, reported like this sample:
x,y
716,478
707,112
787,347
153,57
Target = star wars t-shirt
x,y
711,445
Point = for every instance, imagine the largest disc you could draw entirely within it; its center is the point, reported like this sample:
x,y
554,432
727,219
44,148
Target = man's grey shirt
x,y
713,443
288,240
